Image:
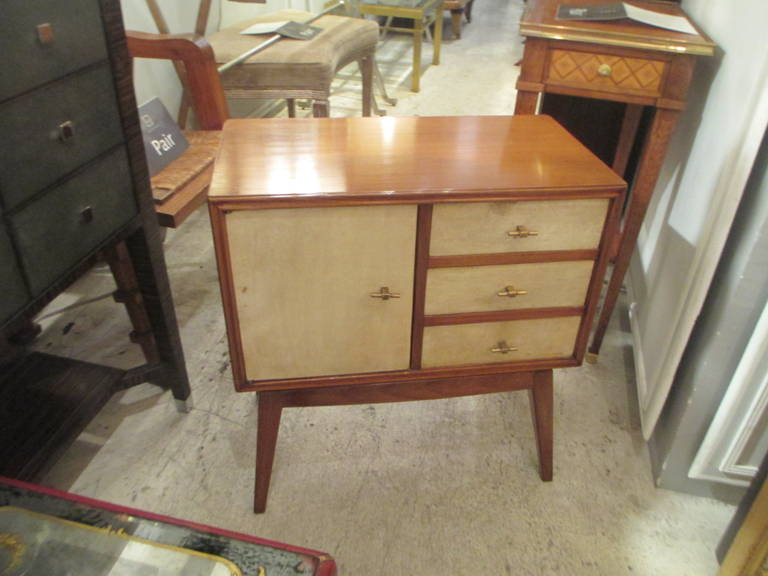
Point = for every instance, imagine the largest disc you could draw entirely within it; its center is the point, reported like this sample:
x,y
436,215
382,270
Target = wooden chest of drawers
x,y
370,260
73,185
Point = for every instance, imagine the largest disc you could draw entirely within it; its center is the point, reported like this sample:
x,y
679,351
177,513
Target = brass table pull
x,y
511,292
522,232
384,293
503,348
45,33
604,70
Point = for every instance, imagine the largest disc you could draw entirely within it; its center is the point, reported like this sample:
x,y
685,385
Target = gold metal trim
x,y
510,292
120,533
522,232
554,32
384,294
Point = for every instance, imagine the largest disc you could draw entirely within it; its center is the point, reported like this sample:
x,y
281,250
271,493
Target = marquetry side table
x,y
621,61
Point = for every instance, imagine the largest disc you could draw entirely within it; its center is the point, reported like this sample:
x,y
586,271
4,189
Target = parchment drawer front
x,y
55,129
474,343
57,230
509,287
308,286
595,71
12,290
42,40
488,228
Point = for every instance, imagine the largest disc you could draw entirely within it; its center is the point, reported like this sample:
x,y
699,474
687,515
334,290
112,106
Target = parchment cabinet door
x,y
303,280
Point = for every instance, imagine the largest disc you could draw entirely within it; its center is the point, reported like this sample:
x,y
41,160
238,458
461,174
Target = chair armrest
x,y
202,79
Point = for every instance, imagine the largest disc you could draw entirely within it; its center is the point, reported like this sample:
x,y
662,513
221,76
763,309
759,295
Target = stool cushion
x,y
293,64
454,4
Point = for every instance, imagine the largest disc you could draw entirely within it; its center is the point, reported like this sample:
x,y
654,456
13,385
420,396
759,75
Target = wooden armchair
x,y
182,186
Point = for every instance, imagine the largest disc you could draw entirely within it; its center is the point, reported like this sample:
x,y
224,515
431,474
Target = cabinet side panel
x,y
303,279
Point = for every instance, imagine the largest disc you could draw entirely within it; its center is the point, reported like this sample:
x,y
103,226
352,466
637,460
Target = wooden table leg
x,y
654,149
270,410
146,254
542,405
526,102
418,34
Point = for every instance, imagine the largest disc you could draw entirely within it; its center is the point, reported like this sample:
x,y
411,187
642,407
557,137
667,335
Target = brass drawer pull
x,y
66,131
503,348
510,292
45,33
604,70
384,293
522,232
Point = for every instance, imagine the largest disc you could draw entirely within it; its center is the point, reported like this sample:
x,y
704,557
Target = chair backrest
x,y
202,78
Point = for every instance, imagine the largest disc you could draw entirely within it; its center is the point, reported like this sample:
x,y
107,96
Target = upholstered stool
x,y
458,8
297,68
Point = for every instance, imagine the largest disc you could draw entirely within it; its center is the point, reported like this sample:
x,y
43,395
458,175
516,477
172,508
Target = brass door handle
x,y
522,232
604,70
384,293
503,348
510,292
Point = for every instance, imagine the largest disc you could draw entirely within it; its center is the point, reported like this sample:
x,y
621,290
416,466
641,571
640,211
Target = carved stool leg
x,y
366,71
321,108
291,102
542,400
270,410
456,22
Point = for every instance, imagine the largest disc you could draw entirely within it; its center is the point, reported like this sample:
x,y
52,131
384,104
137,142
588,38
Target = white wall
x,y
157,78
703,176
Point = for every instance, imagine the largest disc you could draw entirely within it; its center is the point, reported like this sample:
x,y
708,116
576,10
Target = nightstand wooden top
x,y
416,159
539,21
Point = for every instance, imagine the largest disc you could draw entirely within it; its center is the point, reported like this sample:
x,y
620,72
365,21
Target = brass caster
x,y
591,357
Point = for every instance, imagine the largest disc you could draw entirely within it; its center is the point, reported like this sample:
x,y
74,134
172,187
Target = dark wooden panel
x,y
511,258
12,288
77,40
56,231
31,132
45,402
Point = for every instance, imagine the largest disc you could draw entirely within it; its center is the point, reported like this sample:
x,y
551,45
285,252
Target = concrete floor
x,y
428,488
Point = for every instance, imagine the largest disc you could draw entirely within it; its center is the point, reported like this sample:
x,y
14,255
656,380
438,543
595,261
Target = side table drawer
x,y
42,40
474,343
606,72
56,129
56,231
509,287
494,227
14,293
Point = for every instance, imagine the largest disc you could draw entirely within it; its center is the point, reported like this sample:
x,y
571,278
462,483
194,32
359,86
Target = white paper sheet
x,y
264,28
676,23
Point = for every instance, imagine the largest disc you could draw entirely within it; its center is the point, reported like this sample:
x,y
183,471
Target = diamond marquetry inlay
x,y
582,68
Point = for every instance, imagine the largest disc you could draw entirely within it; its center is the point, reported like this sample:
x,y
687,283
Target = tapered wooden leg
x,y
542,401
456,22
291,102
129,295
270,409
655,147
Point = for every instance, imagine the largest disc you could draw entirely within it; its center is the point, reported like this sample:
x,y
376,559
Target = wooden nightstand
x,y
620,61
384,260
